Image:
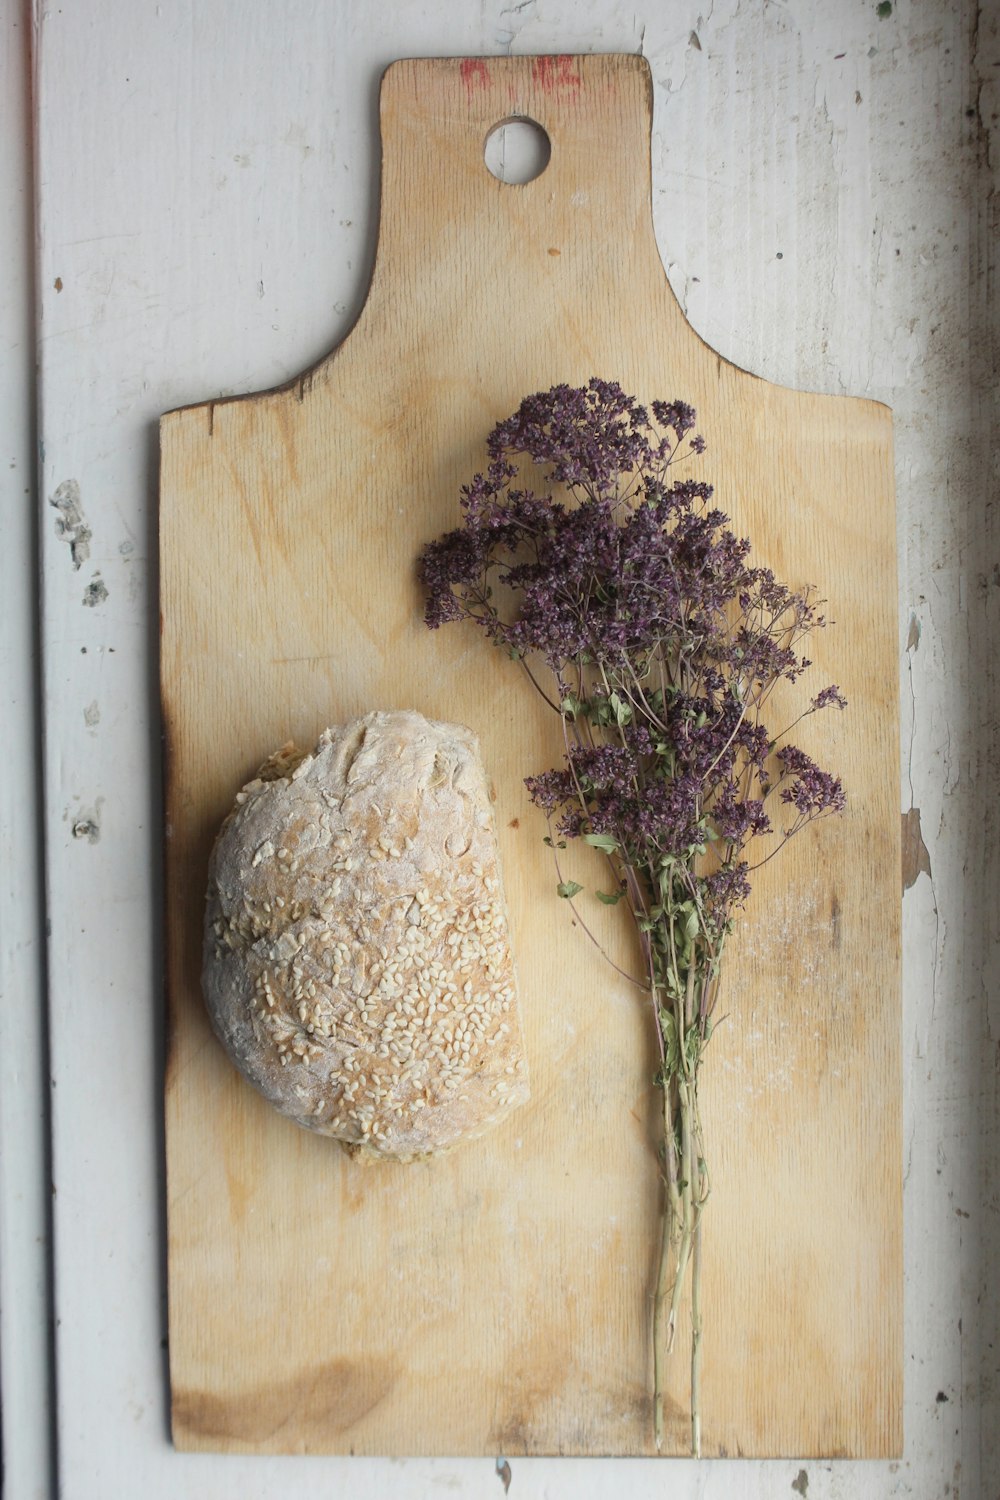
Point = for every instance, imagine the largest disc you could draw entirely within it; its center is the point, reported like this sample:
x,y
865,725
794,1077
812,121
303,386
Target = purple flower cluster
x,y
591,437
830,696
662,639
807,788
649,816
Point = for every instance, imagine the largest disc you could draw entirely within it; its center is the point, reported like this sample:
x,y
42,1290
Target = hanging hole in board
x,y
517,151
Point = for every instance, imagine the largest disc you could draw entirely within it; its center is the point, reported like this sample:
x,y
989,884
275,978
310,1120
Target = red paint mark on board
x,y
475,74
556,73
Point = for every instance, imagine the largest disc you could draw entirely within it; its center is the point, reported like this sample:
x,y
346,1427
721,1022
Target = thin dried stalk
x,y
685,1191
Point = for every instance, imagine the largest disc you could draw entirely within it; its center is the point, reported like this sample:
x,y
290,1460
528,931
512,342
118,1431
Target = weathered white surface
x,y
206,181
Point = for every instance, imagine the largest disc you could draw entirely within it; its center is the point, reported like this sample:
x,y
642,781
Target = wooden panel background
x,y
497,1300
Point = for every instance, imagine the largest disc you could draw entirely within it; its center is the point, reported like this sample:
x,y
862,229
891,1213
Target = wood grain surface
x,y
498,1299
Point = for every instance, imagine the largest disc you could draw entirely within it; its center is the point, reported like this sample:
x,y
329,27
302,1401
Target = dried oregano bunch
x,y
635,612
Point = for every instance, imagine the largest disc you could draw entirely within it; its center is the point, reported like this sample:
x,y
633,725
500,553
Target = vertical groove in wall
x,y
982,952
26,1364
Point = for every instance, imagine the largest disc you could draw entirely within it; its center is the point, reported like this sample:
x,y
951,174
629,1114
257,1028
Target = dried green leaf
x,y
602,841
621,710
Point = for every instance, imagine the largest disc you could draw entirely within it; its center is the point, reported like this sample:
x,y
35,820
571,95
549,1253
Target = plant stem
x,y
685,1190
670,1232
696,1325
687,1207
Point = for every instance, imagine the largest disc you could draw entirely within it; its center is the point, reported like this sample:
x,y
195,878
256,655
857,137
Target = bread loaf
x,y
357,964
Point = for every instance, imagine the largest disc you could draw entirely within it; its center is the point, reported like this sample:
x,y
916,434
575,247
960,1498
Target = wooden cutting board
x,y
498,1300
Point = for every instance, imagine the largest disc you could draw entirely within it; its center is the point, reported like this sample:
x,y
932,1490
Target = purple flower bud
x,y
830,696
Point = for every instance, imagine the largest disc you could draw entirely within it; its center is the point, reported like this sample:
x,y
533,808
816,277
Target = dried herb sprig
x,y
636,613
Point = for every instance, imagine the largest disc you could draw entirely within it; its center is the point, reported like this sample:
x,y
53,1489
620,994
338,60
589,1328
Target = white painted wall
x,y
205,190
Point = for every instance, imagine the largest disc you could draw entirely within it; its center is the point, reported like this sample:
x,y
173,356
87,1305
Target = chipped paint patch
x,y
916,859
85,822
95,593
92,715
913,636
801,1482
87,828
503,1473
71,523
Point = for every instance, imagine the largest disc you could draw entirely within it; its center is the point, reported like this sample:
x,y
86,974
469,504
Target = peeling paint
x,y
916,859
95,593
913,637
503,1473
801,1482
71,524
85,822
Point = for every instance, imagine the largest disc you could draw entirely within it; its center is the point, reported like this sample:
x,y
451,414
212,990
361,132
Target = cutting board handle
x,y
584,225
